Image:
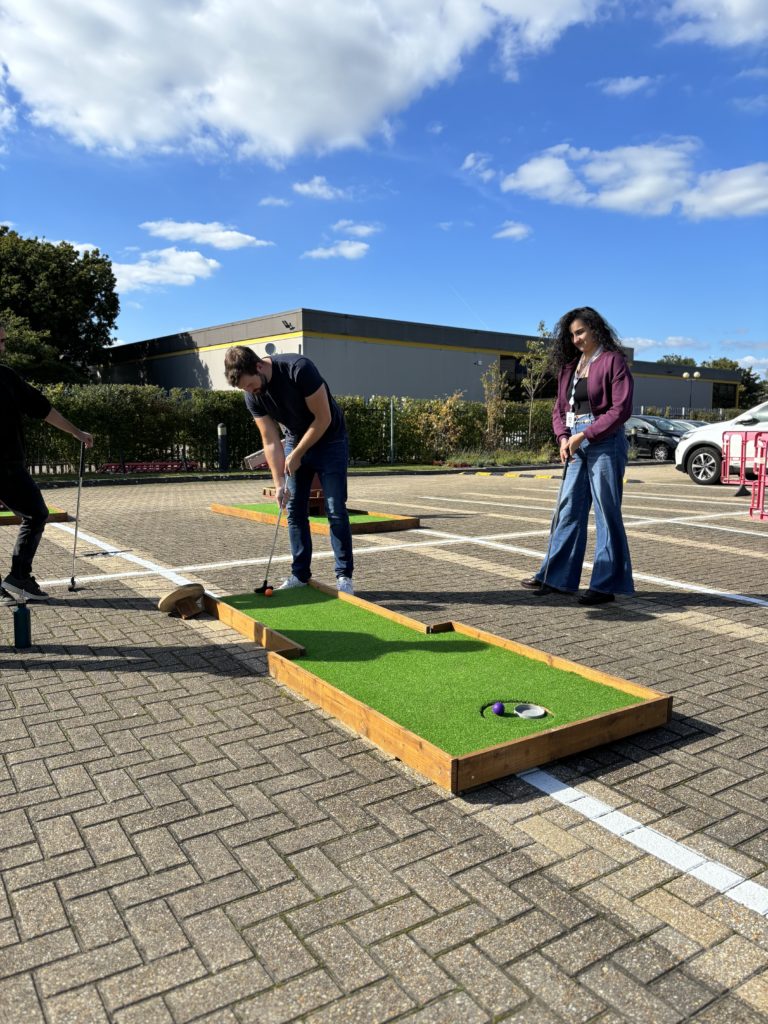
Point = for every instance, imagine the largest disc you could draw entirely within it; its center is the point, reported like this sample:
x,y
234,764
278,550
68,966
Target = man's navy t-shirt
x,y
294,379
17,399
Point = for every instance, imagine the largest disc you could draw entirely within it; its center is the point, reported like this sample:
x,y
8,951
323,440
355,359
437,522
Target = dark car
x,y
653,436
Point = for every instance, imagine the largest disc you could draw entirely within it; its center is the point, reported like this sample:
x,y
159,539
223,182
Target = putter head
x,y
262,588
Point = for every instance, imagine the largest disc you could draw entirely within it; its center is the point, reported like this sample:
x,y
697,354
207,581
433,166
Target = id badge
x,y
570,420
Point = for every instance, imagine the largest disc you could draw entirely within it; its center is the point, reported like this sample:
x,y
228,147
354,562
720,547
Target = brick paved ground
x,y
183,840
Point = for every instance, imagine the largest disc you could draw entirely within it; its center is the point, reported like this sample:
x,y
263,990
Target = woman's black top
x,y
580,398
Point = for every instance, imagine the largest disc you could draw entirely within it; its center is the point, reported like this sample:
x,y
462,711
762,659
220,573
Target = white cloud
x,y
349,227
752,104
753,73
267,80
435,128
742,192
626,86
274,201
213,233
318,188
548,177
345,249
80,246
478,164
651,346
163,266
514,230
718,22
650,180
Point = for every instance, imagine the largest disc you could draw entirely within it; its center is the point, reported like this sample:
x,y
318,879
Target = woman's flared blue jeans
x,y
595,476
329,461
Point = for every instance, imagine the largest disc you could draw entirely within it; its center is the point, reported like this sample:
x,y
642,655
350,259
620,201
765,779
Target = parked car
x,y
687,425
700,453
653,436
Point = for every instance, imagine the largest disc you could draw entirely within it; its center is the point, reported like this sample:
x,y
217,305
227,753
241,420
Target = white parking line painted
x,y
494,541
153,567
681,857
639,519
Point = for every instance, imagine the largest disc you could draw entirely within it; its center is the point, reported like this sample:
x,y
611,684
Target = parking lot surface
x,y
181,839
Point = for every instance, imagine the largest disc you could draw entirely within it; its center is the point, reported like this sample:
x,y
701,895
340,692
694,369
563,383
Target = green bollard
x,y
22,626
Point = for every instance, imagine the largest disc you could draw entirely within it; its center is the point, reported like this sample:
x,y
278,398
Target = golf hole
x,y
514,708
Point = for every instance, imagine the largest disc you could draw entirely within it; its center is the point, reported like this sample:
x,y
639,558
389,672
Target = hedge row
x,y
143,422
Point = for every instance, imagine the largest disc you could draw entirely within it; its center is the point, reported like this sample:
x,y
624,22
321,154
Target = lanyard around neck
x,y
577,376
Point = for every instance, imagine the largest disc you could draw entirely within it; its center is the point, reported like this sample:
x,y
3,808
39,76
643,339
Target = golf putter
x,y
265,584
72,586
555,520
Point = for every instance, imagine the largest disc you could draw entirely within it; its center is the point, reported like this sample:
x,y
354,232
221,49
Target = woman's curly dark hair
x,y
563,349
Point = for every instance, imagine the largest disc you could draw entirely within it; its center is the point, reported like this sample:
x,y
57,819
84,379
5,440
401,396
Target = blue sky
x,y
484,165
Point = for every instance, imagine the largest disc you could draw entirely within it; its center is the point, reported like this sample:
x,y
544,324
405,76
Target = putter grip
x,y
82,459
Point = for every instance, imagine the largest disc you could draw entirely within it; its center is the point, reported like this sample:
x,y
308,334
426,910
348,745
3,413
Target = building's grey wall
x,y
355,367
671,391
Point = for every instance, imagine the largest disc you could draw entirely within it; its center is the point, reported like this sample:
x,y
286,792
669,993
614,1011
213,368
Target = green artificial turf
x,y
441,685
354,517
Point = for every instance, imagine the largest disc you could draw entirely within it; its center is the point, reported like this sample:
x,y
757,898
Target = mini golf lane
x,y
359,521
55,515
424,693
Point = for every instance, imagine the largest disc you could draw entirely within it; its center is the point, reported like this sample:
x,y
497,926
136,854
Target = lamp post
x,y
691,377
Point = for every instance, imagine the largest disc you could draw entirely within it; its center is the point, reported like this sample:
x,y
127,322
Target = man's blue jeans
x,y
329,461
595,475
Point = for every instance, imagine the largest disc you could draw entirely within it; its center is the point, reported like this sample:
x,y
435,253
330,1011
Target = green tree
x,y
537,369
31,354
495,391
66,298
751,389
721,364
673,360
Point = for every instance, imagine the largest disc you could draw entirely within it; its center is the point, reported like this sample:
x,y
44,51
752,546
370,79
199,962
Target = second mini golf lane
x,y
271,508
439,686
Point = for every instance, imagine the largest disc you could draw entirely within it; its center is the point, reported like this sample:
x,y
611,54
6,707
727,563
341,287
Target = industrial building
x,y
363,355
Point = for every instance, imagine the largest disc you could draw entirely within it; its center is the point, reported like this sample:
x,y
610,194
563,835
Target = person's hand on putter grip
x,y
569,446
282,495
292,462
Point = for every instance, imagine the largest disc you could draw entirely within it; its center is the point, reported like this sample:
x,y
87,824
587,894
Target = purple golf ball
x,y
498,708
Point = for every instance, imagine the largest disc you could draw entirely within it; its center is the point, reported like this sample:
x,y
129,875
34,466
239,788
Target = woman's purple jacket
x,y
609,387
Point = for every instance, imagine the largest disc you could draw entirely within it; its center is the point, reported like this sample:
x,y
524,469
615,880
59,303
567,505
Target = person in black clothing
x,y
17,488
288,390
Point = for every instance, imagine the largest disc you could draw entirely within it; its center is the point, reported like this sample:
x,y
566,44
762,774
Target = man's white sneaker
x,y
291,582
344,584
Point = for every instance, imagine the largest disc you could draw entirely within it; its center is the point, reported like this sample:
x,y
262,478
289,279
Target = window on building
x,y
724,395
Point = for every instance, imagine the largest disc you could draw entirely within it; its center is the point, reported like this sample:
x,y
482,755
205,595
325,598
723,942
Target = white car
x,y
700,453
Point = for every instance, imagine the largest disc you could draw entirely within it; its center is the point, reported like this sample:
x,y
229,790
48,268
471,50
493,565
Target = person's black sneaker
x,y
24,589
596,597
6,600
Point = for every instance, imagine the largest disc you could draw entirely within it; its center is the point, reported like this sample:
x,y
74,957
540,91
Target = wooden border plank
x,y
251,629
369,606
411,749
390,524
553,660
492,763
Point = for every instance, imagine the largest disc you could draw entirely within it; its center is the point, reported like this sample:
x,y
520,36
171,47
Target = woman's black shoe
x,y
546,589
595,597
531,583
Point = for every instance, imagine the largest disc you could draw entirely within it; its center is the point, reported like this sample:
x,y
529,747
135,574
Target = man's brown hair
x,y
239,360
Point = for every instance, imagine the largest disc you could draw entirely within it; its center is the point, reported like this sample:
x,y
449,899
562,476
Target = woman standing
x,y
594,400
